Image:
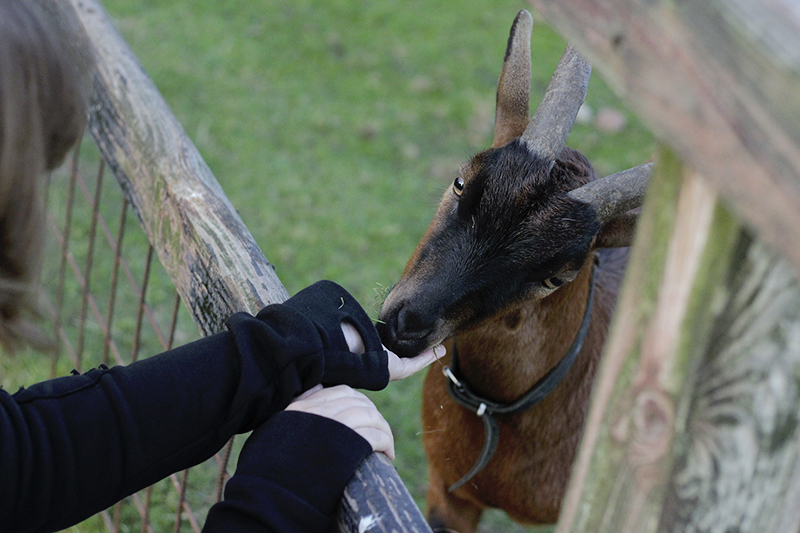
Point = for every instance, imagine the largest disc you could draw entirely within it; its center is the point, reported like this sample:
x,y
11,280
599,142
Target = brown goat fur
x,y
503,275
528,476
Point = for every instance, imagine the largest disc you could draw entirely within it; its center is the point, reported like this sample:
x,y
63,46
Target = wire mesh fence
x,y
109,301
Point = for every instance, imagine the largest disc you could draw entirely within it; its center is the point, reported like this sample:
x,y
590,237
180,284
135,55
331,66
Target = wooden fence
x,y
694,423
202,249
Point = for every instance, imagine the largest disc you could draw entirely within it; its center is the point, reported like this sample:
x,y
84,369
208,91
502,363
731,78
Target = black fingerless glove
x,y
327,305
299,344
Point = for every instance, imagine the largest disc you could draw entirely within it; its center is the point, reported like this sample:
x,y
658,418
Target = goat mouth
x,y
413,345
408,343
407,331
410,347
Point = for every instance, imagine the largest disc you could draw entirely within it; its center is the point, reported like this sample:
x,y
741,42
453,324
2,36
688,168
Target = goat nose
x,y
410,324
386,330
403,329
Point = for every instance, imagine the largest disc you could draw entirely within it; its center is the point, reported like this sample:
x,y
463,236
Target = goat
x,y
506,275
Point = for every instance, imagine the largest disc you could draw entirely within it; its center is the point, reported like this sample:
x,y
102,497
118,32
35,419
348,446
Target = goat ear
x,y
618,232
514,85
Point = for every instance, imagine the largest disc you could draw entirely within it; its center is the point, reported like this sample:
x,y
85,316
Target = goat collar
x,y
485,408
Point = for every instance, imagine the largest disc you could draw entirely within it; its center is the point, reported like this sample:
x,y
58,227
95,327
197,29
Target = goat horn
x,y
549,128
615,194
514,85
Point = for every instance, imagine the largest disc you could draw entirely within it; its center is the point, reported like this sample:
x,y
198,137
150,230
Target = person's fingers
x,y
358,416
336,408
306,394
354,341
399,367
353,409
336,392
370,424
379,440
402,367
327,401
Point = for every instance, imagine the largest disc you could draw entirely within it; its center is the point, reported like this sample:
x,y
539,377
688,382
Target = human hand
x,y
351,408
399,367
402,367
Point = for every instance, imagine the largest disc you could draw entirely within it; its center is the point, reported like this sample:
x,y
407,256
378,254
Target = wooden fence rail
x,y
716,80
208,253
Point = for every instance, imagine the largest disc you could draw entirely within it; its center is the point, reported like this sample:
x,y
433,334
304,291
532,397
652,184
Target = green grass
x,y
335,126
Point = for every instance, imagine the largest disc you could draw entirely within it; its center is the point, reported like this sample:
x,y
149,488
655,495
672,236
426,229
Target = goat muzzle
x,y
406,331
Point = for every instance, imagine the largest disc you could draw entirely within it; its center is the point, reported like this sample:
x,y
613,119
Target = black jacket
x,y
73,446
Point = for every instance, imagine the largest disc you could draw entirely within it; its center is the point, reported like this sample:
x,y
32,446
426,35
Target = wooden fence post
x,y
209,254
694,423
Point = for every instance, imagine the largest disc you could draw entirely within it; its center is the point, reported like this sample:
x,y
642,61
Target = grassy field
x,y
335,126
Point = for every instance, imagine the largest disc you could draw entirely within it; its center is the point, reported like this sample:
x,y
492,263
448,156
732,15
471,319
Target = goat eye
x,y
458,186
553,283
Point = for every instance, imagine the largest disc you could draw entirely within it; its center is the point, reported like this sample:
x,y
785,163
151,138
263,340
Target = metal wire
x,y
91,335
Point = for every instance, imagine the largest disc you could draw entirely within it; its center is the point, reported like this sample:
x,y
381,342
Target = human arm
x,y
292,471
72,446
351,408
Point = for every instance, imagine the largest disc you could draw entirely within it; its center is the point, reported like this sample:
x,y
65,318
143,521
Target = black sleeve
x,y
290,476
300,314
71,447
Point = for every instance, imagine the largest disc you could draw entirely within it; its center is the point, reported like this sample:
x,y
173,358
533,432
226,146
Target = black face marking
x,y
518,210
513,227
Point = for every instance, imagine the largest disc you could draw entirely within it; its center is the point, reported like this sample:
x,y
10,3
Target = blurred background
x,y
334,127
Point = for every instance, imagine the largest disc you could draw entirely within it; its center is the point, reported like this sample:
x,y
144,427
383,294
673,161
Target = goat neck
x,y
504,355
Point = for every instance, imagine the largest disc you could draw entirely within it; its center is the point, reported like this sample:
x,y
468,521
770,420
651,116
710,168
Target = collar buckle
x,y
452,377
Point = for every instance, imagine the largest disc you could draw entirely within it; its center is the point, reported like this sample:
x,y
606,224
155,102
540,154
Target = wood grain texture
x,y
693,424
375,501
737,468
209,254
624,455
211,257
718,81
712,443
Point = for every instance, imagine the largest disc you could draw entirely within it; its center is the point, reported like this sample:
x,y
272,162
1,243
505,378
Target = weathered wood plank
x,y
717,80
695,428
207,251
735,466
376,501
693,423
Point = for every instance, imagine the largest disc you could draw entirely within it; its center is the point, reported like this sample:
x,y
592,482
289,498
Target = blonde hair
x,y
43,93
